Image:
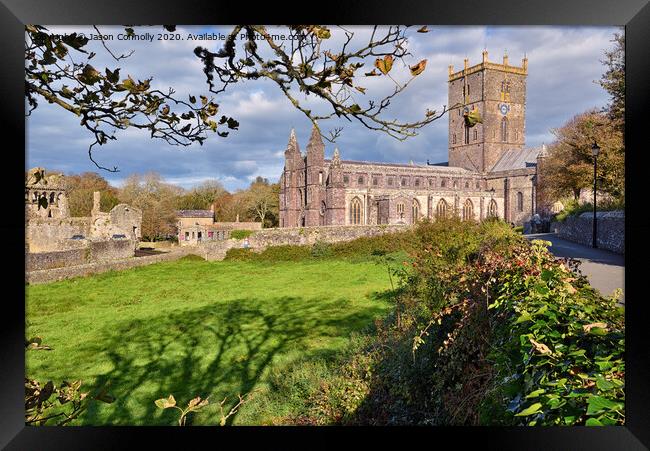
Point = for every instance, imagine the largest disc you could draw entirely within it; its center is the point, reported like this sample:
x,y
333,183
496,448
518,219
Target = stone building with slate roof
x,y
198,226
490,172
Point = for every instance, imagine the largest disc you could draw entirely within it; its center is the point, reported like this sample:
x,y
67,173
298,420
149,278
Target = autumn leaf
x,y
384,65
165,110
423,30
360,89
540,347
165,403
373,73
418,68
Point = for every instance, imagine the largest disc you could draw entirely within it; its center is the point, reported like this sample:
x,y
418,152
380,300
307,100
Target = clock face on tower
x,y
504,108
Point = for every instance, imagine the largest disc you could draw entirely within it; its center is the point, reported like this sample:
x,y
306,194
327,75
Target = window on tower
x,y
504,129
475,135
466,134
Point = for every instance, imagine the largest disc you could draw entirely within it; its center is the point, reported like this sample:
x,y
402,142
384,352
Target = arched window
x,y
468,210
441,209
466,134
492,209
520,201
415,211
400,210
356,211
504,129
453,138
475,135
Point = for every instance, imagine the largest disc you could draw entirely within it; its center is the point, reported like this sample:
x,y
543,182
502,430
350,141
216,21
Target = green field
x,y
192,328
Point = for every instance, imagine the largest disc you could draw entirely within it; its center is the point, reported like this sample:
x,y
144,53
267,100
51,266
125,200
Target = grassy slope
x,y
198,328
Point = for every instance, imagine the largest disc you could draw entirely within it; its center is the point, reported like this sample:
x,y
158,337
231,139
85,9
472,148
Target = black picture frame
x,y
633,14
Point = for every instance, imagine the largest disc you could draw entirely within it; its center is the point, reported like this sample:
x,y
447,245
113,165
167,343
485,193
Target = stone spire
x,y
315,141
336,159
292,146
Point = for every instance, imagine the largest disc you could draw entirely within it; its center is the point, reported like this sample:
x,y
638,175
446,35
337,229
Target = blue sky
x,y
563,65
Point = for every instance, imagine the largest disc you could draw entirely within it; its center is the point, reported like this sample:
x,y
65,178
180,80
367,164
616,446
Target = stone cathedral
x,y
490,172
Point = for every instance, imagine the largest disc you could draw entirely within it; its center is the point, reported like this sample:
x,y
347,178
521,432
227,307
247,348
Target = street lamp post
x,y
594,151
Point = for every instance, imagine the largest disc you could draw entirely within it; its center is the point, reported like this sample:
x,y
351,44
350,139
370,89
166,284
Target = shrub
x,y
192,258
239,254
488,329
240,234
321,249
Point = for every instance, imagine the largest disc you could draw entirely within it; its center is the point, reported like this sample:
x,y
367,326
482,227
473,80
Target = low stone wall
x,y
579,229
52,275
299,236
55,259
93,251
111,250
310,235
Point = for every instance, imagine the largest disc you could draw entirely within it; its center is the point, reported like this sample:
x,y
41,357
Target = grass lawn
x,y
192,328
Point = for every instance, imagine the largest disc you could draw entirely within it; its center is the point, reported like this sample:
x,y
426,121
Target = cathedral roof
x,y
426,167
517,159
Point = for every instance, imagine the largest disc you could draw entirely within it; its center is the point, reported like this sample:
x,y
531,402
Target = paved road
x,y
604,269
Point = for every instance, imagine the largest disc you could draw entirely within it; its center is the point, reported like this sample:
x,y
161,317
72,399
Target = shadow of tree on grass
x,y
218,350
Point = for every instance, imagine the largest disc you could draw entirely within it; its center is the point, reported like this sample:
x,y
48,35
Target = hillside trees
x,y
202,196
568,168
262,200
156,199
80,193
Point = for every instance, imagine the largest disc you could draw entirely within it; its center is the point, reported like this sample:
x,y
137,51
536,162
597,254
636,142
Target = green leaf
x,y
597,404
536,393
604,384
593,422
523,318
534,408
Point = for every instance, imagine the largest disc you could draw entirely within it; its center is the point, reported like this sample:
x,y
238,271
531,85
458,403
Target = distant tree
x,y
157,200
568,168
613,80
80,193
262,200
201,197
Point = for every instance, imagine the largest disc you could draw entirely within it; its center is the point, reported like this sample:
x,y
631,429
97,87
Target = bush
x,y
488,329
572,207
321,249
240,234
192,258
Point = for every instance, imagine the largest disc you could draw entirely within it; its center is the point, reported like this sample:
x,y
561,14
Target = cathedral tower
x,y
498,93
315,207
291,185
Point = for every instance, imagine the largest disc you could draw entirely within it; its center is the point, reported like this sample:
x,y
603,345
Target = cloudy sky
x,y
563,65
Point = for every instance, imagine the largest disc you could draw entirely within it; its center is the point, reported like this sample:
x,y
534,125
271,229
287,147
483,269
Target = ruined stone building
x,y
197,226
55,239
490,172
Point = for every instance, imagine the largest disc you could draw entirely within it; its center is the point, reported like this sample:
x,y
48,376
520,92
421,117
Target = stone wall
x,y
55,259
51,275
579,229
298,236
310,235
92,251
